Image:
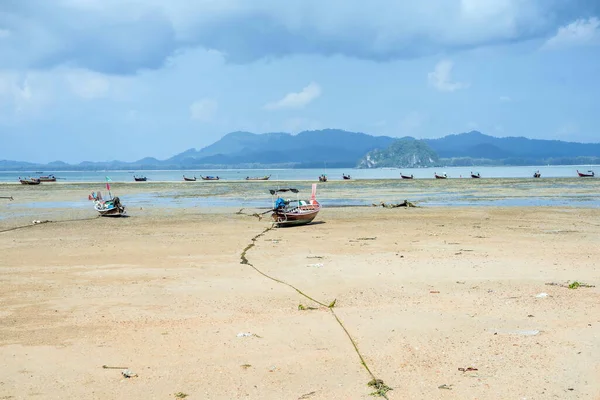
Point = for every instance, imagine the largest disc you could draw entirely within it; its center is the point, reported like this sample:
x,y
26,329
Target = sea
x,y
547,171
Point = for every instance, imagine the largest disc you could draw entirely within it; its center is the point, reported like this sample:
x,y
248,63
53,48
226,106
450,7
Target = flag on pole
x,y
107,186
108,179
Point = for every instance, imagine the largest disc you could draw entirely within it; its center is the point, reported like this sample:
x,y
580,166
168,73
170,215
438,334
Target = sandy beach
x,y
423,292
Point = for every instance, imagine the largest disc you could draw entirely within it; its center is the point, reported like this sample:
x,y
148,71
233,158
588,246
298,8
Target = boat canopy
x,y
273,192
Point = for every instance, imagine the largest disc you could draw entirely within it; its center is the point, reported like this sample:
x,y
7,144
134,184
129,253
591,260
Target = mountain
x,y
337,148
406,152
477,145
331,147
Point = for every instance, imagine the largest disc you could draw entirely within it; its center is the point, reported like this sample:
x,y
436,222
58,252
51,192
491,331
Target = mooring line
x,y
380,387
47,222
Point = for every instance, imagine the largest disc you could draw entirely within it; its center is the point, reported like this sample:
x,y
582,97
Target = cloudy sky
x,y
123,79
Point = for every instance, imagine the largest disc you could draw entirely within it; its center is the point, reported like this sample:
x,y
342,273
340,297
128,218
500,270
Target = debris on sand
x,y
570,285
405,203
129,373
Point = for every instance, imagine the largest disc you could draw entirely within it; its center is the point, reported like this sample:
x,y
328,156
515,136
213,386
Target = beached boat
x,y
440,176
209,178
323,178
537,174
476,176
258,178
140,178
107,208
406,176
346,177
589,174
29,181
294,212
47,178
189,179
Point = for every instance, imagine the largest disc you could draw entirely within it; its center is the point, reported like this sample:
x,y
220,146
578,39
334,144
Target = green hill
x,y
406,152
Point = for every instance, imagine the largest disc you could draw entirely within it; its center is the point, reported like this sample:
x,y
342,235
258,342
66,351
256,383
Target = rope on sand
x,y
46,222
380,387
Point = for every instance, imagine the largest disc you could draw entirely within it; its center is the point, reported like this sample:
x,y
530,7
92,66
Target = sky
x,y
101,80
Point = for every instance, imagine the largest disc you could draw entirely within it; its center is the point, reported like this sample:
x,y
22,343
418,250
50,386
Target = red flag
x,y
107,186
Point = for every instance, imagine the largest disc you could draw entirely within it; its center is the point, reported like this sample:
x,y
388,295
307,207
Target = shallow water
x,y
510,192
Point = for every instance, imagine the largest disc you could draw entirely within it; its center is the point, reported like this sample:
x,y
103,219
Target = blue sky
x,y
123,79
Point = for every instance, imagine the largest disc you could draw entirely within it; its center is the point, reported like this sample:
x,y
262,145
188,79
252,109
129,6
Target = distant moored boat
x,y
140,178
406,176
440,176
589,174
537,174
475,175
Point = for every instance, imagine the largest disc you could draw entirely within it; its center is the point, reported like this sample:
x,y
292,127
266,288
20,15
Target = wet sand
x,y
422,291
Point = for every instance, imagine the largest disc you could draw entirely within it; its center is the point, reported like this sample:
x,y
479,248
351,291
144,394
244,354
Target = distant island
x,y
334,148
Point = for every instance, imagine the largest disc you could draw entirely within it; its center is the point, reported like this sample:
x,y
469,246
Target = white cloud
x,y
504,99
578,33
203,110
296,100
87,84
441,78
21,94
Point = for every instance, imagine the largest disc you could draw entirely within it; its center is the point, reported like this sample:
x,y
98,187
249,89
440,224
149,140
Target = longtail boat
x,y
29,181
209,178
476,176
406,176
589,174
107,208
537,174
258,178
47,178
140,178
189,179
294,212
323,178
346,177
440,176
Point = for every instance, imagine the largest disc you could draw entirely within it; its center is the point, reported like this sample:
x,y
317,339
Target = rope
x,y
47,222
380,387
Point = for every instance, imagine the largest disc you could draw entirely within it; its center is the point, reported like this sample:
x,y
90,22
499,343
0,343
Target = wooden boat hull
x,y
284,219
189,179
47,179
263,178
406,177
110,212
347,178
440,177
584,175
475,176
140,179
29,181
208,178
537,175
